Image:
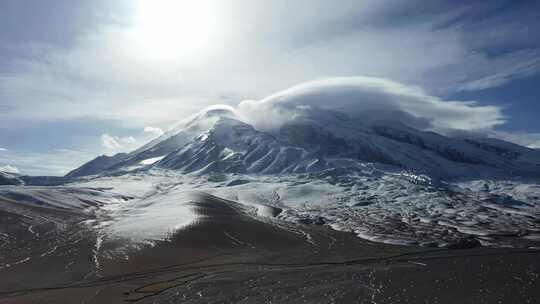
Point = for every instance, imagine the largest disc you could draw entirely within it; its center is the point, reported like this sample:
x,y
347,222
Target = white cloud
x,y
109,142
9,169
153,130
363,96
116,143
3,149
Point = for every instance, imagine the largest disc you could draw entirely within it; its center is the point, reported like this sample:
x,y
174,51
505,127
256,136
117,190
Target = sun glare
x,y
175,30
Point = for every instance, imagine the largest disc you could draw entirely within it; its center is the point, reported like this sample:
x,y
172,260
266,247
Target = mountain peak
x,y
212,113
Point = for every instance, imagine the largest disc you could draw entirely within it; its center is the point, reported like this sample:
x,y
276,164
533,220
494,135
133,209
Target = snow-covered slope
x,y
375,204
232,146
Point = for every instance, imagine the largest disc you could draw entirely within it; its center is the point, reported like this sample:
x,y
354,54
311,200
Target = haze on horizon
x,y
83,78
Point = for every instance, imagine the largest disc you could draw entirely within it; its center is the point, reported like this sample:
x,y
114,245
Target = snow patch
x,y
152,160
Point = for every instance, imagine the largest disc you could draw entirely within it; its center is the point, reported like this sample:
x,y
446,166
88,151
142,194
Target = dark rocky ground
x,y
229,257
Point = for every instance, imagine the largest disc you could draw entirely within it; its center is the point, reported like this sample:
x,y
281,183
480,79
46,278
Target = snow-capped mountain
x,y
217,140
383,180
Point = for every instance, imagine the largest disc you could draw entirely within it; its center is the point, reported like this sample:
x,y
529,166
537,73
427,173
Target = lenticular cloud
x,y
367,97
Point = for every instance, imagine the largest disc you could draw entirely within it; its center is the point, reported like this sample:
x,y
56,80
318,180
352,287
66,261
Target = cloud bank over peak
x,y
371,98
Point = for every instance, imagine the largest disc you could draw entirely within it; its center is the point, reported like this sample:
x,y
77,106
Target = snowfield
x,y
395,208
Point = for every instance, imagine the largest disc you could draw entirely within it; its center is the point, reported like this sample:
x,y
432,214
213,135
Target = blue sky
x,y
83,78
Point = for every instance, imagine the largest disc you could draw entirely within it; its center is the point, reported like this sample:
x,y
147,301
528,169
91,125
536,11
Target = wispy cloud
x,y
116,143
153,131
509,67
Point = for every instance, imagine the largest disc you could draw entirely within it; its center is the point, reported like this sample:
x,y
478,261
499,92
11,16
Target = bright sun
x,y
176,30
